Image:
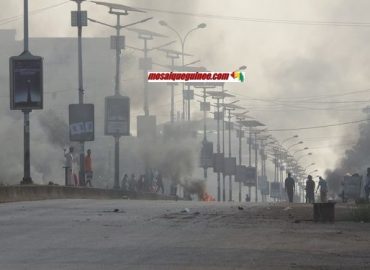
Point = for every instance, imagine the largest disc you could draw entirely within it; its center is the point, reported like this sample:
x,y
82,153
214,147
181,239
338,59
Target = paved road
x,y
91,234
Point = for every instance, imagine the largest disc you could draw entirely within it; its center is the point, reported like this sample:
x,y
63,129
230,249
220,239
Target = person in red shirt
x,y
88,168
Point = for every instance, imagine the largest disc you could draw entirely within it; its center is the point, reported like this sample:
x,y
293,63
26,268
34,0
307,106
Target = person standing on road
x,y
124,183
310,190
367,185
68,164
160,183
290,187
88,168
323,189
132,185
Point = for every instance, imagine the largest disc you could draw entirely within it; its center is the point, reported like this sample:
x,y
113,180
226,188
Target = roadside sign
x,y
218,162
206,155
250,177
263,185
229,166
26,82
241,172
81,122
275,191
117,116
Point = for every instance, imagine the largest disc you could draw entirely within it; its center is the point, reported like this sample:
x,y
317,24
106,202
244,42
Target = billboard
x,y
117,116
218,162
241,172
206,155
275,191
26,82
251,176
81,122
263,185
205,106
229,166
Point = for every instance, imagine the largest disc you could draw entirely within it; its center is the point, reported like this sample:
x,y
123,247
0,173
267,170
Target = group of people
x,y
73,178
145,183
310,188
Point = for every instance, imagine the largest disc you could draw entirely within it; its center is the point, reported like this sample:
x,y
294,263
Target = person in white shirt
x,y
69,164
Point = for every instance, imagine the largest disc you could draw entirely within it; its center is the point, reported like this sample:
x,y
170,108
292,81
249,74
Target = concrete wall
x,y
36,192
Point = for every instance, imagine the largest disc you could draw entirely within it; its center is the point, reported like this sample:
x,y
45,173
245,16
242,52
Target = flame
x,y
207,197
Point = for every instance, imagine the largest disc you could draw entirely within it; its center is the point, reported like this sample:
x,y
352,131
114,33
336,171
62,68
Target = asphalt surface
x,y
129,234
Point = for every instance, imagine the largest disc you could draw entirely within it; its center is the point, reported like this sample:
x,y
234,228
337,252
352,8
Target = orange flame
x,y
207,197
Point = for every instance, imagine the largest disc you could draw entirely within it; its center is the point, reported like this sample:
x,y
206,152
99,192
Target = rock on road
x,y
133,234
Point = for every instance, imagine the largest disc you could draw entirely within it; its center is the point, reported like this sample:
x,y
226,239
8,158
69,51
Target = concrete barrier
x,y
47,192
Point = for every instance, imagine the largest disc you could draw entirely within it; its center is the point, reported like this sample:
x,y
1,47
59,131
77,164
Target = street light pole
x,y
223,145
172,113
204,123
256,163
230,181
118,46
117,93
182,41
218,151
27,180
240,157
80,85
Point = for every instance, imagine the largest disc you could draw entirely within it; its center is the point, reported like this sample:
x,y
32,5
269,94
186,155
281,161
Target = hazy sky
x,y
297,73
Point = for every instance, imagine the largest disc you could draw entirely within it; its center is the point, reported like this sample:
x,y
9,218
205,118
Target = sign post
x,y
26,91
117,124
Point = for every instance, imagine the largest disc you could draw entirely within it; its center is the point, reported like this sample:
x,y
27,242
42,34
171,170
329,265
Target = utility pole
x,y
230,107
240,157
204,123
218,96
256,163
250,159
207,147
218,150
80,23
240,133
27,180
223,145
146,62
118,44
230,181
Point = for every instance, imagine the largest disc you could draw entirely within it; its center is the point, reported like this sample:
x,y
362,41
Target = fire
x,y
207,197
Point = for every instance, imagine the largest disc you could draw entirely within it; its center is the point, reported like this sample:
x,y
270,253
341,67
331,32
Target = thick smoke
x,y
46,158
195,186
355,160
55,128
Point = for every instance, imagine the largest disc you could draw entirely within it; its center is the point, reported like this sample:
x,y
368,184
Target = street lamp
x,y
308,166
118,45
298,143
290,138
300,150
80,23
182,41
308,154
